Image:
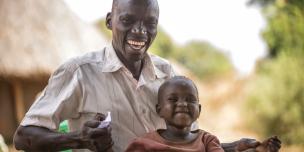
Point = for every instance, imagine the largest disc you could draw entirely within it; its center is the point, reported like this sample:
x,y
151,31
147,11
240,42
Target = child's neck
x,y
175,134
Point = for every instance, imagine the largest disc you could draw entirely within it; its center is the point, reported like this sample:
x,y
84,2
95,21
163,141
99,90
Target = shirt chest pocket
x,y
96,102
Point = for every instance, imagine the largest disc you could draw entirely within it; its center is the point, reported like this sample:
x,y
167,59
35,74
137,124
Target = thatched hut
x,y
36,36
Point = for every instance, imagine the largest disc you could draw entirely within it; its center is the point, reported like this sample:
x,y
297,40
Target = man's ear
x,y
109,21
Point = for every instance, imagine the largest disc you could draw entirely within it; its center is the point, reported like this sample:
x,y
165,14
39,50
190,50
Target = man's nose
x,y
139,28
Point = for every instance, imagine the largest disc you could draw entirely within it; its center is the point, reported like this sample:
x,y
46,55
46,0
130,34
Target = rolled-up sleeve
x,y
60,100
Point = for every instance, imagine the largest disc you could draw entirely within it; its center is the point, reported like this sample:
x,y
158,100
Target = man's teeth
x,y
136,43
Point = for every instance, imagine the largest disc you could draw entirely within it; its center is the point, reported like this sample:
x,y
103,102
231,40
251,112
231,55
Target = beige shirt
x,y
98,82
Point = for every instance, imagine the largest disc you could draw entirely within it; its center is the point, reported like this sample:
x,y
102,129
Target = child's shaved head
x,y
175,79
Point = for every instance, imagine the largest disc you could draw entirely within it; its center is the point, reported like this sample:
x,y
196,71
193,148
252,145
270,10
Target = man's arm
x,y
250,145
240,145
34,138
229,147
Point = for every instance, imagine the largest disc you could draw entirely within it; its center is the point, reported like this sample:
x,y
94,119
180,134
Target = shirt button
x,y
144,111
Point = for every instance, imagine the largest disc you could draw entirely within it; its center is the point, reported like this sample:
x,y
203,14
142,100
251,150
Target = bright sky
x,y
228,25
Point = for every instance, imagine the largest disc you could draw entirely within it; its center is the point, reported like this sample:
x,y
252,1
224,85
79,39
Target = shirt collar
x,y
150,70
112,63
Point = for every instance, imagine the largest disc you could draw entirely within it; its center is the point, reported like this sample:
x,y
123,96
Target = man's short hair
x,y
115,2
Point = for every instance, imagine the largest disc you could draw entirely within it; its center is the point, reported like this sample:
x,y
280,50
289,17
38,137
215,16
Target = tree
x,y
276,97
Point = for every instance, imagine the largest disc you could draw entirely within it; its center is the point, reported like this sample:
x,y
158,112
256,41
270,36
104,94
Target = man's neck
x,y
134,67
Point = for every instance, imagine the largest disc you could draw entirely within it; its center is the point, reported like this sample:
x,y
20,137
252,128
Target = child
x,y
178,105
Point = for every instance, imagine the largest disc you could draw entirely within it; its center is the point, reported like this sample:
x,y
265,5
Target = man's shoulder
x,y
91,59
162,65
159,61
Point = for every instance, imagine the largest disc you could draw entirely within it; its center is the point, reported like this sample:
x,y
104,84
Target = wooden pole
x,y
19,103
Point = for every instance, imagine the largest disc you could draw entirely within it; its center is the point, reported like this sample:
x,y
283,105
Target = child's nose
x,y
181,103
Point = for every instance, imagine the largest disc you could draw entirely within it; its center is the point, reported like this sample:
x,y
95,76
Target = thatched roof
x,y
36,36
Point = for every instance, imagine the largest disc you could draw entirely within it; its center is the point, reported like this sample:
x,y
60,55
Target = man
x,y
122,78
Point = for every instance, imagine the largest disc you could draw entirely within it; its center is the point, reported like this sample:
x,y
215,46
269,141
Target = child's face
x,y
178,104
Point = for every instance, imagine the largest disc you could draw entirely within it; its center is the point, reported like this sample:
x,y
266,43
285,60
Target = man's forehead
x,y
129,3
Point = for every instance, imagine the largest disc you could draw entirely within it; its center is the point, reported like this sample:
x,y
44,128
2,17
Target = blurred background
x,y
246,56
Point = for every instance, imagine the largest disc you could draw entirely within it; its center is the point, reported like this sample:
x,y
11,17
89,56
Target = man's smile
x,y
136,45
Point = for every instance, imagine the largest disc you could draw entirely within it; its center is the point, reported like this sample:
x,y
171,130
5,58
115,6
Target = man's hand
x,y
272,144
94,138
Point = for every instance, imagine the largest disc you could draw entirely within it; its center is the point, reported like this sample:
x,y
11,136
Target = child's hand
x,y
272,144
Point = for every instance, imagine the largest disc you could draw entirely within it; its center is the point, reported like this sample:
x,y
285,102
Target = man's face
x,y
178,104
134,27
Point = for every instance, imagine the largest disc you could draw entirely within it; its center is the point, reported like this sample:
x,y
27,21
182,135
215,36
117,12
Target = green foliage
x,y
266,3
285,30
101,25
203,60
162,45
276,99
261,2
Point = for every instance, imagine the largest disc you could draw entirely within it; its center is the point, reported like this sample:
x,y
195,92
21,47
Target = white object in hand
x,y
106,122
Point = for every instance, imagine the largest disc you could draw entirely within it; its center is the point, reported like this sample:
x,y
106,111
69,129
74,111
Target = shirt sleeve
x,y
60,100
213,144
172,71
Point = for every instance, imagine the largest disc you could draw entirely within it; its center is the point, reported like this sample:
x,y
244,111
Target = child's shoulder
x,y
206,136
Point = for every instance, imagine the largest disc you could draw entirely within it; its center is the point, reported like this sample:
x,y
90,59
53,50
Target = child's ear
x,y
157,107
199,108
109,21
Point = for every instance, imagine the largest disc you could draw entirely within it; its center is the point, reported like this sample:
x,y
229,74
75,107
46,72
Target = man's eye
x,y
151,23
125,20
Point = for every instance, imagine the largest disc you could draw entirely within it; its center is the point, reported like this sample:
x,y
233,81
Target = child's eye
x,y
191,100
172,99
194,101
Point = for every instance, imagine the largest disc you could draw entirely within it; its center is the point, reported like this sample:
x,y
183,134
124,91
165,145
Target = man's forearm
x,y
32,138
232,147
229,147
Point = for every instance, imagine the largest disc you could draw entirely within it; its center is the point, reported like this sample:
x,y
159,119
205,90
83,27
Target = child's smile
x,y
178,104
